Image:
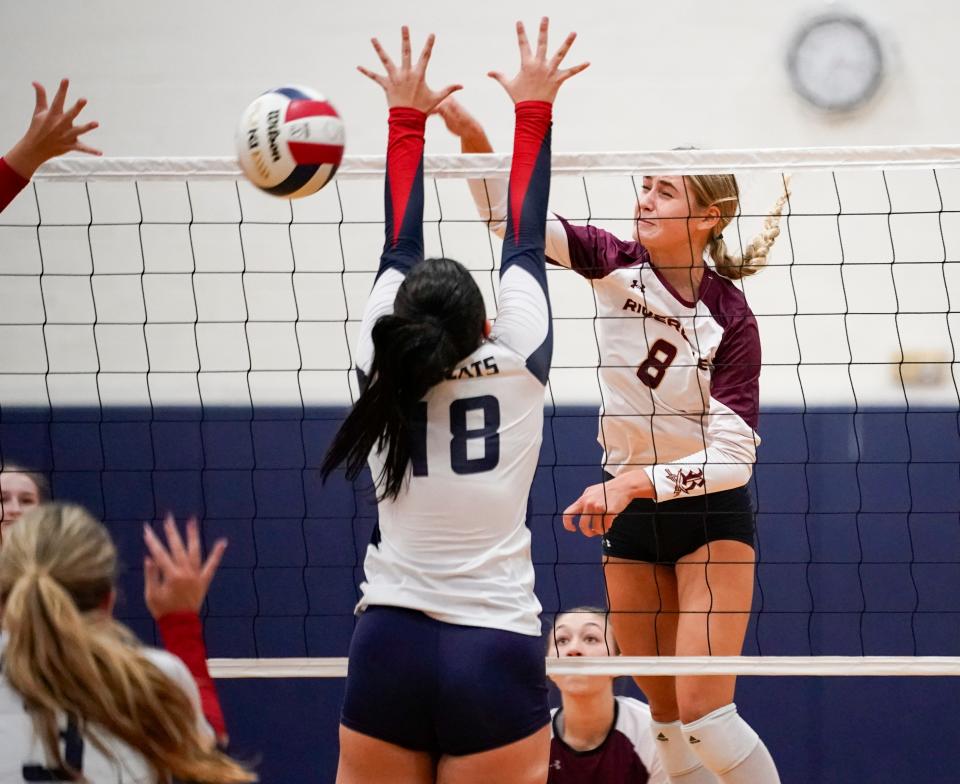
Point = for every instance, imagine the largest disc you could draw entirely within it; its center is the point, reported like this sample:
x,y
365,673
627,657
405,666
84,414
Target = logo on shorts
x,y
685,481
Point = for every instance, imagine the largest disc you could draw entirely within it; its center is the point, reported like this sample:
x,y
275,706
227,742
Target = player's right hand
x,y
406,85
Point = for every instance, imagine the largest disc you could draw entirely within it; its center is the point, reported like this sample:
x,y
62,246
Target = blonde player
x,y
53,131
679,373
597,737
80,699
176,580
446,680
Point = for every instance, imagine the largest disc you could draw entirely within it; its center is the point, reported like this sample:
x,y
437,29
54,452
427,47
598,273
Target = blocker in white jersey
x,y
445,659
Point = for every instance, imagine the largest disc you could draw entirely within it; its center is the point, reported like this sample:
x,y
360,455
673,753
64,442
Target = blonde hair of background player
x,y
66,654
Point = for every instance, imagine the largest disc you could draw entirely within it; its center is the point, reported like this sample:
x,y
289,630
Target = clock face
x,y
836,62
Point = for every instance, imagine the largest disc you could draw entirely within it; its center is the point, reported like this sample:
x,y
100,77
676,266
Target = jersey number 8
x,y
654,367
461,436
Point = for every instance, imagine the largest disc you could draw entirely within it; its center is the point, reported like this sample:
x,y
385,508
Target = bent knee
x,y
696,697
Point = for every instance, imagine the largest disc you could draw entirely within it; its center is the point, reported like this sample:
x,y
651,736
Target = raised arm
x,y
175,583
490,195
410,100
587,250
523,320
52,132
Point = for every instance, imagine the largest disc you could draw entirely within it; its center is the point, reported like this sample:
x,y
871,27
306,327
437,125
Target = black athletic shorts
x,y
442,688
665,532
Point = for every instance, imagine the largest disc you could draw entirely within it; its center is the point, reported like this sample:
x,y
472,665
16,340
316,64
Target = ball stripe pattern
x,y
290,141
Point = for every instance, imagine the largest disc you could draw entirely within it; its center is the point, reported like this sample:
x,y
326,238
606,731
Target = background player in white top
x,y
176,580
79,697
446,679
597,737
679,373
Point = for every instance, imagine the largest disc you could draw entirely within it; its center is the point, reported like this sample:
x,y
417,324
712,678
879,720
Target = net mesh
x,y
174,340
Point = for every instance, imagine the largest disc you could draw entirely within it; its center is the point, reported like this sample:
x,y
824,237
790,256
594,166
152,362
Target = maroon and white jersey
x,y
679,380
626,756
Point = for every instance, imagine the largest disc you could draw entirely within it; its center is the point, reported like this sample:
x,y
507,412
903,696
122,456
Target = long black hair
x,y
437,320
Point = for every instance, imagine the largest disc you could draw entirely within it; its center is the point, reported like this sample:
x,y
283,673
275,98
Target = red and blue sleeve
x,y
182,635
523,321
11,184
403,191
523,243
403,224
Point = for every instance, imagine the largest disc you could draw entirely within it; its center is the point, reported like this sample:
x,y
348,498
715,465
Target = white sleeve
x,y
379,303
523,318
177,671
490,197
725,463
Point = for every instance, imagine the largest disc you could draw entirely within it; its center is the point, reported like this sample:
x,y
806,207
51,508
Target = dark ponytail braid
x,y
437,321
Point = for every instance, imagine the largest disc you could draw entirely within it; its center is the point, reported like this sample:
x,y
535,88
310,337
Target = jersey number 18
x,y
461,436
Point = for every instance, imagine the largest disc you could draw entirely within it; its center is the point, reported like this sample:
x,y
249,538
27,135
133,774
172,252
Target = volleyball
x,y
290,142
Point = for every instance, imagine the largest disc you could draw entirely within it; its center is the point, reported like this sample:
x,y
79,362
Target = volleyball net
x,y
173,339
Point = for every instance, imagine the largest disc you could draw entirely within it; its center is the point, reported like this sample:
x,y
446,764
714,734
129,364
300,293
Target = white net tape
x,y
638,665
569,164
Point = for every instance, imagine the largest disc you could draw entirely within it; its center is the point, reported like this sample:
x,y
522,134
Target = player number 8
x,y
654,367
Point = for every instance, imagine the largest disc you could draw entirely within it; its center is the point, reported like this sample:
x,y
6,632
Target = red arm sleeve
x,y
11,184
182,636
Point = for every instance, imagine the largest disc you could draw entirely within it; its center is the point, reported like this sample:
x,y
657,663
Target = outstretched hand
x,y
52,132
175,577
406,85
539,79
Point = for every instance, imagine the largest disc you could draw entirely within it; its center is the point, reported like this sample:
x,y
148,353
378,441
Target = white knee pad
x,y
677,756
721,739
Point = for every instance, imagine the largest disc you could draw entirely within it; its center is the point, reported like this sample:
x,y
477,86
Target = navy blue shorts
x,y
443,688
665,532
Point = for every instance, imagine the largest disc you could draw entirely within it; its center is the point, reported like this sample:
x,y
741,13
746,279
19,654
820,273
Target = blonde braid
x,y
755,255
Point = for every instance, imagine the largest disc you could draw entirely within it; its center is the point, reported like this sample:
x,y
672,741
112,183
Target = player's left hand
x,y
539,78
599,505
175,578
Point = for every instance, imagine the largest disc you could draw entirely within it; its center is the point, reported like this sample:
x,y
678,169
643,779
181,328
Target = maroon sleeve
x,y
595,253
11,184
182,636
735,379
